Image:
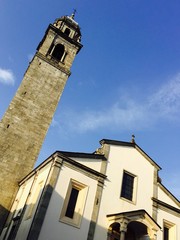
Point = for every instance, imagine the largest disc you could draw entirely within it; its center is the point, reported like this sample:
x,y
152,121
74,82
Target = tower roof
x,y
69,22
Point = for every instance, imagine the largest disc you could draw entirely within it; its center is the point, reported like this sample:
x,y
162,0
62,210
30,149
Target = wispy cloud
x,y
113,117
166,101
128,113
7,76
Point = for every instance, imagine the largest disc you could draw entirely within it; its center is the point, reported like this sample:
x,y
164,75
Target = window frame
x,y
76,219
171,228
134,187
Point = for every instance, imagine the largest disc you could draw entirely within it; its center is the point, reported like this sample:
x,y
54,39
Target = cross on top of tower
x,y
73,14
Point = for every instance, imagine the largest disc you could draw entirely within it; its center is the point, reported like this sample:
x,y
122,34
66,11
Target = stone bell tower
x,y
26,121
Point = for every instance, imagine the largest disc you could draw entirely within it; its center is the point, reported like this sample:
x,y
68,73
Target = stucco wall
x,y
124,158
89,162
172,219
36,181
163,196
52,223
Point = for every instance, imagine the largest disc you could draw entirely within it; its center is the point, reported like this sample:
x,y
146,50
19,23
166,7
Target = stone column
x,y
123,227
122,236
152,233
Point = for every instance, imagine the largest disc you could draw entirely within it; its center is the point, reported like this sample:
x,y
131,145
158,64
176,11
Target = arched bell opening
x,y
58,52
67,31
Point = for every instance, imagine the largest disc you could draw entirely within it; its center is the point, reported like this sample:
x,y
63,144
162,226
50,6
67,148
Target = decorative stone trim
x,y
166,207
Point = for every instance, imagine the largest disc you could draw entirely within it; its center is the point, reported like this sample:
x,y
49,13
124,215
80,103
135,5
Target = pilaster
x,y
45,199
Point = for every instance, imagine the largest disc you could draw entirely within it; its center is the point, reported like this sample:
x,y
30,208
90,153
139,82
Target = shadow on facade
x,y
3,216
41,220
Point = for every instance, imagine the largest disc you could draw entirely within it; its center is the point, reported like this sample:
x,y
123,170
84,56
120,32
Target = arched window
x,y
58,52
67,31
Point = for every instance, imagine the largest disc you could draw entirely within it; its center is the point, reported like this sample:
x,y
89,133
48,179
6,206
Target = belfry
x,y
26,121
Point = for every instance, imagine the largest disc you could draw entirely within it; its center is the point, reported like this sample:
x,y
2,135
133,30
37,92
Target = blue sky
x,y
125,80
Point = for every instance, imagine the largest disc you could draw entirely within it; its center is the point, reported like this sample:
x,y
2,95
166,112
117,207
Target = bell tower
x,y
26,121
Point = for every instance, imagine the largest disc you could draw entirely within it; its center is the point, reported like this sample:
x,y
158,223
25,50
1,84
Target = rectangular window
x,y
127,186
74,203
166,233
169,230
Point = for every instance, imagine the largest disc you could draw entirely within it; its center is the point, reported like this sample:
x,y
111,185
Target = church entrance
x,y
133,225
135,231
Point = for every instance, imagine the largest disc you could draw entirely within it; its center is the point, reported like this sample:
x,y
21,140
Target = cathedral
x,y
114,193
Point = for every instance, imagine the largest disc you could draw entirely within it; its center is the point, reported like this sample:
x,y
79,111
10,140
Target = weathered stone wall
x,y
24,125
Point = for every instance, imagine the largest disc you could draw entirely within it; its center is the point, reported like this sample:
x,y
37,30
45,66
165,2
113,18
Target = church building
x,y
114,193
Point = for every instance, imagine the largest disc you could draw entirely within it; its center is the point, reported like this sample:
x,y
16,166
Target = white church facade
x,y
113,193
